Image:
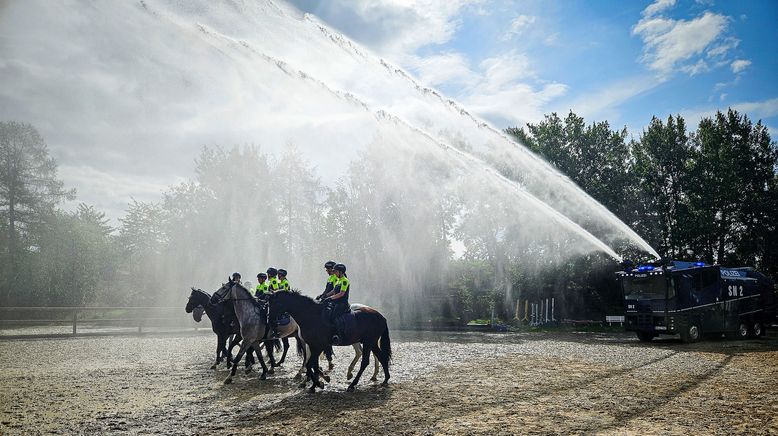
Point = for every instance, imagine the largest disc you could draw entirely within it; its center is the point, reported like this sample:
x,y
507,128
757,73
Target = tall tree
x,y
731,196
595,157
663,158
29,191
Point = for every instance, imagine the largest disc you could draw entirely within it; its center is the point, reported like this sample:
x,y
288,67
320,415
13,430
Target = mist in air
x,y
244,135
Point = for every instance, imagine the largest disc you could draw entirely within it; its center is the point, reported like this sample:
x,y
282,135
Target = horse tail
x,y
384,345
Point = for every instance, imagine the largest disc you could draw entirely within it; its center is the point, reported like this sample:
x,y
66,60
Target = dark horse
x,y
369,328
224,332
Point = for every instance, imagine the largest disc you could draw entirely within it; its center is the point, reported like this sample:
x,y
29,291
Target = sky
x,y
511,62
127,93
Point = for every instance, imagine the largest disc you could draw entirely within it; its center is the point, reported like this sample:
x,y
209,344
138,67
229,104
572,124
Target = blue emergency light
x,y
644,268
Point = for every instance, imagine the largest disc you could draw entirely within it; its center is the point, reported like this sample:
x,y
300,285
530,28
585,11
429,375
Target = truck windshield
x,y
643,288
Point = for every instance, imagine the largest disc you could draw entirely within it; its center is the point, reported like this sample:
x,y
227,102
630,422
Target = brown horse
x,y
369,329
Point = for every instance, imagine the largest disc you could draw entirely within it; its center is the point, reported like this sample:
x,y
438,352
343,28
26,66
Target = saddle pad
x,y
284,319
349,320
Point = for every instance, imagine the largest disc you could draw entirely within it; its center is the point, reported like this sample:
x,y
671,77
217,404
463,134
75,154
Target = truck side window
x,y
707,286
684,286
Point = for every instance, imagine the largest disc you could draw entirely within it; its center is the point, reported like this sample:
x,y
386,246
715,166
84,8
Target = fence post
x,y
75,321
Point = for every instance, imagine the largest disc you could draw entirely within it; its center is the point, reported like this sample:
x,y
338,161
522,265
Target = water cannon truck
x,y
692,299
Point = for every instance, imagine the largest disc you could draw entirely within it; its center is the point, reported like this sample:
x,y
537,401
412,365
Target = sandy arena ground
x,y
442,383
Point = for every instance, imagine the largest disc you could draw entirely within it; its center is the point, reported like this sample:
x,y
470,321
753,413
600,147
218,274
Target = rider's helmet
x,y
236,276
340,267
329,264
272,271
261,275
281,272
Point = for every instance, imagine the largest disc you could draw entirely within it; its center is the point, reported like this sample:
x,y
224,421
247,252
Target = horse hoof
x,y
229,365
326,378
312,390
298,376
227,380
271,371
374,379
301,386
349,376
213,366
350,389
263,377
248,370
385,384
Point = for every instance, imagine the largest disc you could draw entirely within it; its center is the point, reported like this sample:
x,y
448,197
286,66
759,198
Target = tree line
x,y
707,194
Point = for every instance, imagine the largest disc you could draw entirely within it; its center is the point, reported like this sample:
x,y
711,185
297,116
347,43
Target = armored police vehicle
x,y
692,299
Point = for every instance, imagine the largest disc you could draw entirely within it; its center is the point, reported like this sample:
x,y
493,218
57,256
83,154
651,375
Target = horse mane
x,y
250,296
298,293
202,292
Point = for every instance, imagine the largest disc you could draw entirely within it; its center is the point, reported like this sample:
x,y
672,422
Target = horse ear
x,y
193,288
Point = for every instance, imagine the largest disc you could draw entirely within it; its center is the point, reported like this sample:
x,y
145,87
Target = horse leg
x,y
330,365
357,355
366,349
243,346
378,359
383,356
249,362
286,348
270,356
313,369
256,346
304,367
233,342
219,346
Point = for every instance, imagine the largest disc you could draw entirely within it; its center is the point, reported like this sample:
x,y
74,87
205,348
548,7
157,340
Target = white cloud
x,y
447,68
719,86
720,50
755,110
602,103
392,28
723,96
670,43
658,6
739,65
700,67
499,88
501,71
518,25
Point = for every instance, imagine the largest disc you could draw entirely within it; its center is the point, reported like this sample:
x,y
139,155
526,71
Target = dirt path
x,y
442,384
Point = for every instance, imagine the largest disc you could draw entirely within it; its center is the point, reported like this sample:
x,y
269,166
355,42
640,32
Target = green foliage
x,y
709,193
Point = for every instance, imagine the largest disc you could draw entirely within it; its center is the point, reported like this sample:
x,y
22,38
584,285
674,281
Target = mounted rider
x,y
337,301
283,283
273,283
228,315
262,291
331,279
274,286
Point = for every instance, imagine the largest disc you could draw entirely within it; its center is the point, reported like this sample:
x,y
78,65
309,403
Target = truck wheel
x,y
757,329
645,336
691,333
742,330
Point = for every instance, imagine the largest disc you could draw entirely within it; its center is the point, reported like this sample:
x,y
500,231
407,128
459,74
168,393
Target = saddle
x,y
345,327
284,319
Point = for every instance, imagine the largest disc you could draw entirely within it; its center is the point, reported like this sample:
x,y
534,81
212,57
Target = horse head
x,y
197,314
192,302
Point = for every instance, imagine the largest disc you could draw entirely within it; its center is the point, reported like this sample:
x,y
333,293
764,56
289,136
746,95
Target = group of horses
x,y
311,330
